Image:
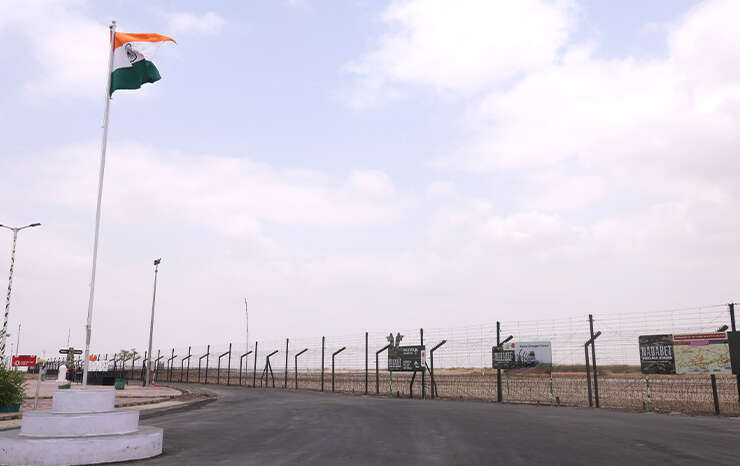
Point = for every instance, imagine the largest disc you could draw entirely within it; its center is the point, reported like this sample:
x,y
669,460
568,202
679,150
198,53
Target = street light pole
x,y
151,324
246,310
4,331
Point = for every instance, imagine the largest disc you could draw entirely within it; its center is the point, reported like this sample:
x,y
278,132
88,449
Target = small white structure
x,y
82,427
62,377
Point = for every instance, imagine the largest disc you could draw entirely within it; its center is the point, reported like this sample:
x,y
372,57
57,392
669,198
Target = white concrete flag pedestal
x,y
82,427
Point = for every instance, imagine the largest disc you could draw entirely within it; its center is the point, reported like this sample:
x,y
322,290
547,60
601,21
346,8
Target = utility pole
x,y
69,332
3,333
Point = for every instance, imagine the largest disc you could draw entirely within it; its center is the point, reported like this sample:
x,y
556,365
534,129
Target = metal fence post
x,y
254,370
499,393
431,372
365,363
591,341
332,365
714,394
241,358
187,373
296,366
423,379
171,362
218,371
588,377
156,366
208,352
323,341
649,395
268,367
593,358
182,366
285,384
208,358
732,327
141,376
228,370
377,371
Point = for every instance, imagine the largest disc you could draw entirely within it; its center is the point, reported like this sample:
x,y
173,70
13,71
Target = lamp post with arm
x,y
3,333
151,323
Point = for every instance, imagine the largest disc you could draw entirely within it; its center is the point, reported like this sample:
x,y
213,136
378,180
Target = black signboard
x,y
502,359
656,354
734,339
406,358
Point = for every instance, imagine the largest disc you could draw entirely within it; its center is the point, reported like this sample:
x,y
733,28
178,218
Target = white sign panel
x,y
531,353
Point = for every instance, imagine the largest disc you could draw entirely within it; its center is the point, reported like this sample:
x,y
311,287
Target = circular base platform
x,y
16,449
89,400
51,424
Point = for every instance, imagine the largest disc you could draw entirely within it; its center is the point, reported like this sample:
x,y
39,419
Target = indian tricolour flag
x,y
130,68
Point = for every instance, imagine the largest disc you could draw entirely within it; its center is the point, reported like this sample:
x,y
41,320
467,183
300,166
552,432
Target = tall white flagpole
x,y
88,327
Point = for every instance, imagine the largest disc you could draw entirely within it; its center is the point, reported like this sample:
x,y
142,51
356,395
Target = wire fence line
x,y
463,366
470,346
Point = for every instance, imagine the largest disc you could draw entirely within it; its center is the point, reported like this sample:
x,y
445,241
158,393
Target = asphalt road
x,y
255,426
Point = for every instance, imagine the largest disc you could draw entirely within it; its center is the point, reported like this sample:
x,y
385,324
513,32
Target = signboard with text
x,y
24,360
531,354
656,354
702,353
502,359
691,353
406,358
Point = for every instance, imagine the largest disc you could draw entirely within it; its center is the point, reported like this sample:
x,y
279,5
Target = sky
x,y
368,165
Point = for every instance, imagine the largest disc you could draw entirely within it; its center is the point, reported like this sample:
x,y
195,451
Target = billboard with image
x,y
656,354
691,353
702,353
531,354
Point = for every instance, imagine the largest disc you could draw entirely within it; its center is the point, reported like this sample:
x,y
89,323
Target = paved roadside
x,y
255,426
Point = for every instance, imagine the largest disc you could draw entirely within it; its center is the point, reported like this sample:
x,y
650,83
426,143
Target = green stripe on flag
x,y
134,76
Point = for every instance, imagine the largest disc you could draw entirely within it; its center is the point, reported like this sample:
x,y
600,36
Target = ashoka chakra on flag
x,y
131,68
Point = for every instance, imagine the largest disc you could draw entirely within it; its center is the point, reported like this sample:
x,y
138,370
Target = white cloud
x,y
461,47
441,190
616,172
185,22
584,128
232,196
70,46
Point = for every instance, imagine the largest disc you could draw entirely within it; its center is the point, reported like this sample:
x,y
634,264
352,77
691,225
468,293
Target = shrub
x,y
11,387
